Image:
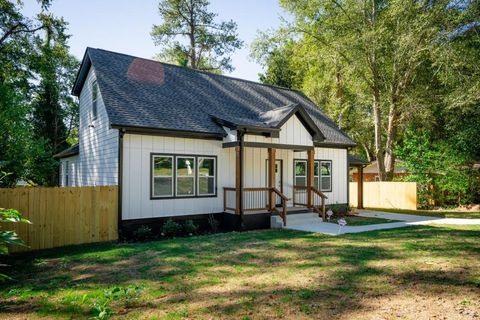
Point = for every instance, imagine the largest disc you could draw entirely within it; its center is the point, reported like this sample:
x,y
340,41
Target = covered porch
x,y
265,183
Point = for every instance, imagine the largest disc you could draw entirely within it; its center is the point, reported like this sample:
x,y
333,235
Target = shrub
x,y
213,223
143,233
189,227
171,228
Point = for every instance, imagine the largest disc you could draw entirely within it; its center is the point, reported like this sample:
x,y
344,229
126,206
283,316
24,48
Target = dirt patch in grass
x,y
409,273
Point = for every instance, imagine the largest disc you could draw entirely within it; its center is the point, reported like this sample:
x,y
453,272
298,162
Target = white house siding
x,y
98,143
292,132
69,165
255,170
339,172
137,151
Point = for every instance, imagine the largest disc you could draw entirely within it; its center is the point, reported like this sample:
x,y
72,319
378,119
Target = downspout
x,y
121,133
240,136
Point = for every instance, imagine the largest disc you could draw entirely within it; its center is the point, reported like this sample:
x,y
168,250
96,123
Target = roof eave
x,y
82,74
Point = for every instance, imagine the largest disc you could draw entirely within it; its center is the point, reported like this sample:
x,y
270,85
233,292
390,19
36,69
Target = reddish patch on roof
x,y
146,71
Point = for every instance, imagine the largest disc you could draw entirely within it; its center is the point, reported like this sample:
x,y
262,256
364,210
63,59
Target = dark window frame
x,y
197,179
319,161
94,88
174,182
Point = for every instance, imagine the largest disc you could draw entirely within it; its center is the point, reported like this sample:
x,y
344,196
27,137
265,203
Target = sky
x,y
124,25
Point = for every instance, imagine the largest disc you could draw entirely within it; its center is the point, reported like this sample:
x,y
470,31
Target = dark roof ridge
x,y
199,71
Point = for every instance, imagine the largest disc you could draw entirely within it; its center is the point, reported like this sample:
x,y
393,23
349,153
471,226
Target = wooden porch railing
x,y
255,199
300,197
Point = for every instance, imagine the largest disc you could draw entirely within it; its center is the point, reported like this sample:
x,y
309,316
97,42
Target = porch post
x,y
360,187
271,178
310,179
238,174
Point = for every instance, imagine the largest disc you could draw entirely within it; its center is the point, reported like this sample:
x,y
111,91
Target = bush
x,y
171,228
213,223
143,233
189,227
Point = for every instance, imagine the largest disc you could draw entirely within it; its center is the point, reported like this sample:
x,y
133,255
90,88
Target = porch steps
x,y
302,218
296,219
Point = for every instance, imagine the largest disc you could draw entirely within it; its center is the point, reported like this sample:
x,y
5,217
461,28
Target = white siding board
x,y
98,143
292,132
136,172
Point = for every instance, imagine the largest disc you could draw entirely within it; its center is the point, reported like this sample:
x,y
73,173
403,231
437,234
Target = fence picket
x,y
63,216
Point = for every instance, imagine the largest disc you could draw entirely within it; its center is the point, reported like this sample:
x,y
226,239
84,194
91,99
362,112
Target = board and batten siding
x,y
98,143
292,132
137,150
255,172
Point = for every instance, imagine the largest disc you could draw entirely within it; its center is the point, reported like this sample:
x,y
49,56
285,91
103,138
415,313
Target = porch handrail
x,y
319,209
284,198
323,197
255,199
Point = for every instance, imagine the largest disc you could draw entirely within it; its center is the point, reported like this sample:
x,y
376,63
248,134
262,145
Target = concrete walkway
x,y
406,220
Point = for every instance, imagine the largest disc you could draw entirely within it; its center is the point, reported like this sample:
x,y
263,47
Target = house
x,y
183,143
370,172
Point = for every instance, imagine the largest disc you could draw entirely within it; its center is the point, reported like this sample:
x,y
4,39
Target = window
x,y
325,176
66,174
94,99
206,176
183,176
300,173
162,176
322,174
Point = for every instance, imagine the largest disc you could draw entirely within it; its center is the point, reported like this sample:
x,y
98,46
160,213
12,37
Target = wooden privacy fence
x,y
63,216
394,195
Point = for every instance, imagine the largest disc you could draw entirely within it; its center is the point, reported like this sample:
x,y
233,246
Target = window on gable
x,y
94,99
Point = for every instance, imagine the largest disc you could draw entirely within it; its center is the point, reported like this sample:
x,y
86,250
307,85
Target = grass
x,y
362,221
398,273
433,213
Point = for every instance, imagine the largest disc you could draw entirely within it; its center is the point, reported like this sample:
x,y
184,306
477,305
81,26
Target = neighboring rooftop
x,y
149,94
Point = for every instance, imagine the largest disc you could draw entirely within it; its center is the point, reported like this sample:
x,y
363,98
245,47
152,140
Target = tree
x,y
193,38
377,56
28,75
55,112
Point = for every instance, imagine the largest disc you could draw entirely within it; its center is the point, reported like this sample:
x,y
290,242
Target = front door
x,y
278,178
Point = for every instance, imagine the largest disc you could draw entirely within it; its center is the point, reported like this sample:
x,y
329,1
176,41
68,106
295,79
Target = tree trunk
x,y
389,145
377,121
368,152
193,54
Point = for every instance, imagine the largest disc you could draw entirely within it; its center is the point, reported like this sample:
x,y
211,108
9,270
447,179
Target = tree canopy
x,y
37,113
377,67
191,37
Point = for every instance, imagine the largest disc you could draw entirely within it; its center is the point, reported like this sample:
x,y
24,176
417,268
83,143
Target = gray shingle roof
x,y
145,93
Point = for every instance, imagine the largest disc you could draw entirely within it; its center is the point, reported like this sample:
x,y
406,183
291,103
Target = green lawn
x,y
362,221
414,272
432,213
